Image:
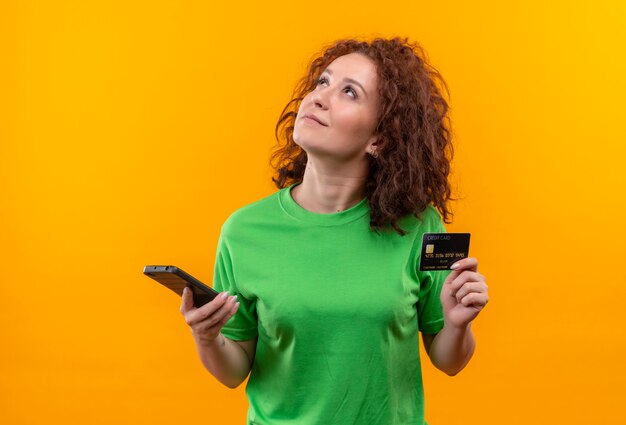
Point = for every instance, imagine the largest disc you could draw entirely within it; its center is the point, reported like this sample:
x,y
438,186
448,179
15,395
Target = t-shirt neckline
x,y
293,209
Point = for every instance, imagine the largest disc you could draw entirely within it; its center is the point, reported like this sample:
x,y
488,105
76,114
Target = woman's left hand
x,y
464,293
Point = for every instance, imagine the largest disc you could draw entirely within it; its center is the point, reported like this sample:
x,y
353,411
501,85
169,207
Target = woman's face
x,y
338,118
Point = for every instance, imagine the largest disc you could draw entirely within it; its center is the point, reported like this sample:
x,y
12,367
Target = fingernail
x,y
454,266
185,290
224,295
233,298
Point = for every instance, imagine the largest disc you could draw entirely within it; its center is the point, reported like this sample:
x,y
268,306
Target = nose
x,y
320,98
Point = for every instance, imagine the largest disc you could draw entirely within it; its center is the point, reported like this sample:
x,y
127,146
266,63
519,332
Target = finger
x,y
230,314
187,301
475,299
453,275
469,263
220,314
469,287
456,273
462,278
211,326
200,314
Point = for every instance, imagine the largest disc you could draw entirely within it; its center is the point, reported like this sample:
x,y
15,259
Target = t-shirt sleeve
x,y
429,309
243,325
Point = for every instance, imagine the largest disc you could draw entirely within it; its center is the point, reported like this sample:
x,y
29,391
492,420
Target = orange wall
x,y
130,130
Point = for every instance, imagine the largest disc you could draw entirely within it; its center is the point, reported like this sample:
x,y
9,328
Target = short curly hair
x,y
414,147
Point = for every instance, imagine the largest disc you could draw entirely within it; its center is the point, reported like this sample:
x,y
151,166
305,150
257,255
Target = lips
x,y
314,118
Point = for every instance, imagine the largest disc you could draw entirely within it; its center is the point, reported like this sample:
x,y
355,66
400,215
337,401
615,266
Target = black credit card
x,y
441,250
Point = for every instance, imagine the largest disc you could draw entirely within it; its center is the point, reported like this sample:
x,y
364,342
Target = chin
x,y
303,142
315,147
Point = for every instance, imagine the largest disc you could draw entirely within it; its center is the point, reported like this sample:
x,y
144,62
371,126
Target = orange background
x,y
129,131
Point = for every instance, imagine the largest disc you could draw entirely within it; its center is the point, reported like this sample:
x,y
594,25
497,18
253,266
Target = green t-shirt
x,y
336,308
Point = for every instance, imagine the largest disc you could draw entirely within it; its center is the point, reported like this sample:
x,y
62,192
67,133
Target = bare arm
x,y
463,296
451,349
228,361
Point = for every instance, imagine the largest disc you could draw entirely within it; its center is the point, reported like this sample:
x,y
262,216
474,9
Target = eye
x,y
322,80
349,89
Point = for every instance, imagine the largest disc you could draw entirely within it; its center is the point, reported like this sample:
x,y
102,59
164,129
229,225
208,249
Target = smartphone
x,y
176,279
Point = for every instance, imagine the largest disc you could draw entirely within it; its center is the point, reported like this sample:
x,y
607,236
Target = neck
x,y
324,190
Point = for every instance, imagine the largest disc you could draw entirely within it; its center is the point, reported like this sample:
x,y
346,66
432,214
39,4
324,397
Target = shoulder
x,y
431,219
250,213
427,221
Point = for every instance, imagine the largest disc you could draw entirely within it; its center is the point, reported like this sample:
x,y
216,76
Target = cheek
x,y
355,123
297,122
305,101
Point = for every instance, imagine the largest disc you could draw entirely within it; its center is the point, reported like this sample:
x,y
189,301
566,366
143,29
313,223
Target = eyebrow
x,y
349,80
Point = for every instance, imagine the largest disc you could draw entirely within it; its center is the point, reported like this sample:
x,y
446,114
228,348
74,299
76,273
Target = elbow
x,y
459,368
452,373
232,385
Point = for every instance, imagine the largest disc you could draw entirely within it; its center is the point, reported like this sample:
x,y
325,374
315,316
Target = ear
x,y
371,146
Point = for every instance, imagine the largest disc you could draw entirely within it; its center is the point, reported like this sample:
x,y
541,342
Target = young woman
x,y
322,295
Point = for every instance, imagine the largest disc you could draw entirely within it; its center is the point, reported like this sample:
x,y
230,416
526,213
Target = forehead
x,y
355,66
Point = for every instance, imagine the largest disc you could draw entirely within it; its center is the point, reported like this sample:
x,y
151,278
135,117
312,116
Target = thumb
x,y
451,276
187,302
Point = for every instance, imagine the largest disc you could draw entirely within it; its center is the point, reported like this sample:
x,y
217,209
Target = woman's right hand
x,y
207,321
